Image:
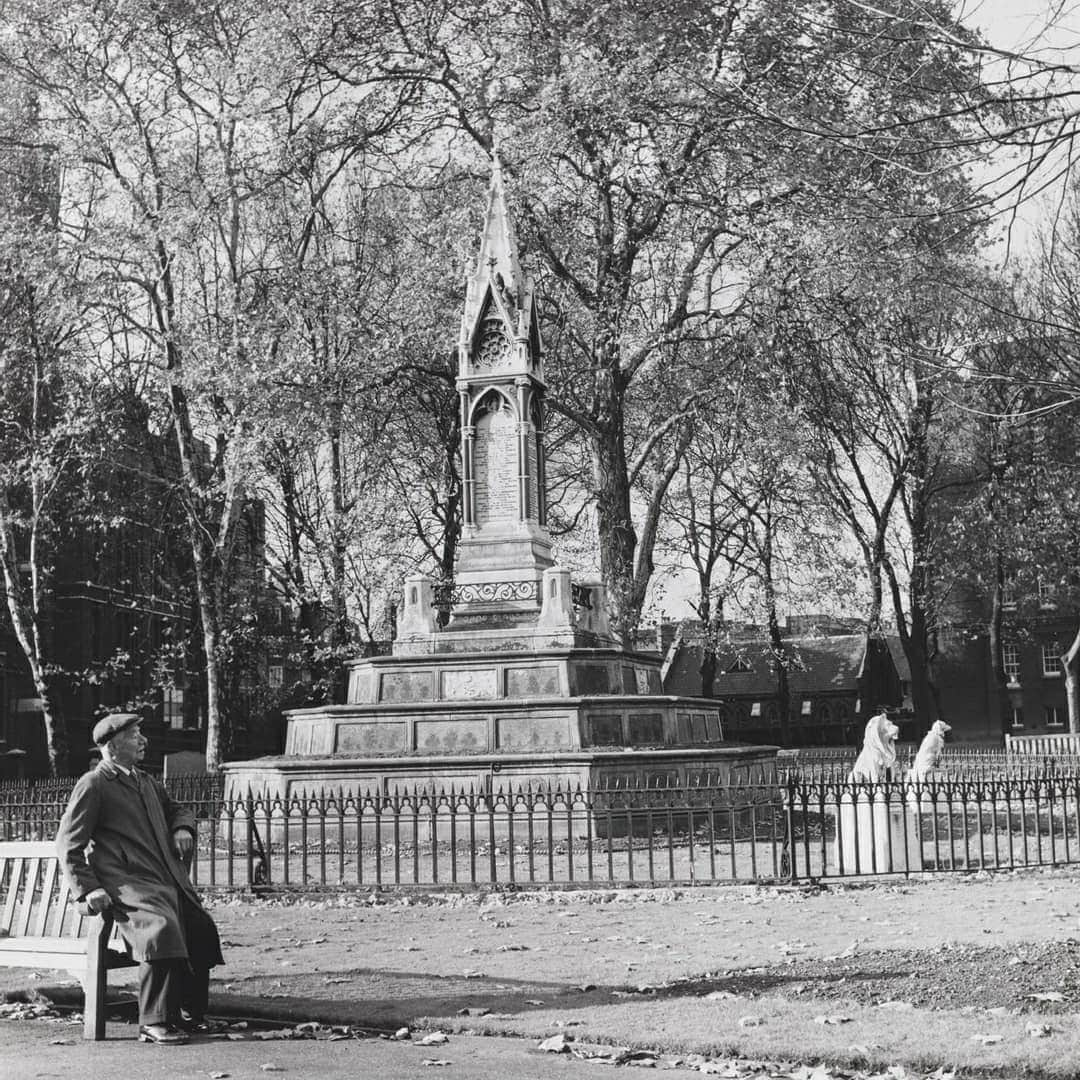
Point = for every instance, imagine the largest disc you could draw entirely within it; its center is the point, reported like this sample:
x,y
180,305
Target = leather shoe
x,y
162,1033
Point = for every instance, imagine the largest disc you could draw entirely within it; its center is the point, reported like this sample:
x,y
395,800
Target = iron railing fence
x,y
833,765
795,830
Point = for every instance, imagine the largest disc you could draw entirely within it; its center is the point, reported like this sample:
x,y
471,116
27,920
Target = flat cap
x,y
111,725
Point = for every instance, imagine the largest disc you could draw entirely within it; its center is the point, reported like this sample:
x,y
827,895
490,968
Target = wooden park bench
x,y
42,926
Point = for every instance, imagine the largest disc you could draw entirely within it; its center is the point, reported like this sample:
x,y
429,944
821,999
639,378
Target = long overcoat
x,y
116,834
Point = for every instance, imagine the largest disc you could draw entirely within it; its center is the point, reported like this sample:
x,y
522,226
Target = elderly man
x,y
123,844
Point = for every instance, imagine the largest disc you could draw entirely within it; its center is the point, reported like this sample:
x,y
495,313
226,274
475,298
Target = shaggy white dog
x,y
878,754
929,754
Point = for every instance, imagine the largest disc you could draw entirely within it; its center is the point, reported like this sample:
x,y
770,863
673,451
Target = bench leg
x,y
96,980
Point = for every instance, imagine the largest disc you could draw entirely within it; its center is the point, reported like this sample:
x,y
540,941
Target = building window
x,y
1051,660
172,707
807,707
1017,718
739,666
1008,592
1010,661
1046,594
755,709
276,676
1055,715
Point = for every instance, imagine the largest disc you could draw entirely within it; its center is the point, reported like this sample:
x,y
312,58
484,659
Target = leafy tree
x,y
662,151
180,127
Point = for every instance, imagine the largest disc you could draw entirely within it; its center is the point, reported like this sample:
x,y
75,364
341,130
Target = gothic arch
x,y
484,403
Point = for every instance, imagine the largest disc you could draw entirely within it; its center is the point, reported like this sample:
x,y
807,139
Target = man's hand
x,y
183,842
97,900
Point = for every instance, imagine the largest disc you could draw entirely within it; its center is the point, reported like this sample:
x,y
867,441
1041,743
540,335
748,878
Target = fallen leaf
x,y
557,1044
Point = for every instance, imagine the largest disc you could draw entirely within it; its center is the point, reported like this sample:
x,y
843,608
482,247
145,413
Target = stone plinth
x,y
876,834
289,776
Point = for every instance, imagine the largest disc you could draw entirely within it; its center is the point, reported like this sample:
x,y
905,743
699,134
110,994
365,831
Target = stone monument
x,y
876,831
510,674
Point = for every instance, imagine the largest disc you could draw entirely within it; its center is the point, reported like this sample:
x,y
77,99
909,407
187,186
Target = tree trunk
x,y
615,527
30,634
776,639
1070,662
339,614
995,643
711,619
923,696
210,634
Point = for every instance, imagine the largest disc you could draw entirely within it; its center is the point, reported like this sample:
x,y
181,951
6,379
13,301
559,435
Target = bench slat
x,y
27,849
63,907
29,892
48,887
15,876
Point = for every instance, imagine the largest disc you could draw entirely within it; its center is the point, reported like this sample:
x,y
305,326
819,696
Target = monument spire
x,y
499,295
501,390
498,257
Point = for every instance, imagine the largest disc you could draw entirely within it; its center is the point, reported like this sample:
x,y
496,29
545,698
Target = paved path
x,y
35,1050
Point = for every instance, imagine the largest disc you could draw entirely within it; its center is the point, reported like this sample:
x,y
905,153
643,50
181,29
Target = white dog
x,y
929,754
878,754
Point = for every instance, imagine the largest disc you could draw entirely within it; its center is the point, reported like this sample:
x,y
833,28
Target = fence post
x,y
789,823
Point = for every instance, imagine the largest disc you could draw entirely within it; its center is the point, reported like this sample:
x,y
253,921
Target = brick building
x,y
835,683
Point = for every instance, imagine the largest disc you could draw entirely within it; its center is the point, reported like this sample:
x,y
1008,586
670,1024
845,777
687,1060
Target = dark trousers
x,y
168,986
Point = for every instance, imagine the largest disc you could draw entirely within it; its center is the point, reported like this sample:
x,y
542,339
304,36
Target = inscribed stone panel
x,y
683,721
604,730
496,466
371,737
592,679
360,686
405,686
524,682
646,729
532,733
451,735
470,684
641,678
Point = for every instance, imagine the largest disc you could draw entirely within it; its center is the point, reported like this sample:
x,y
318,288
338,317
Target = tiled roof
x,y
899,657
824,664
